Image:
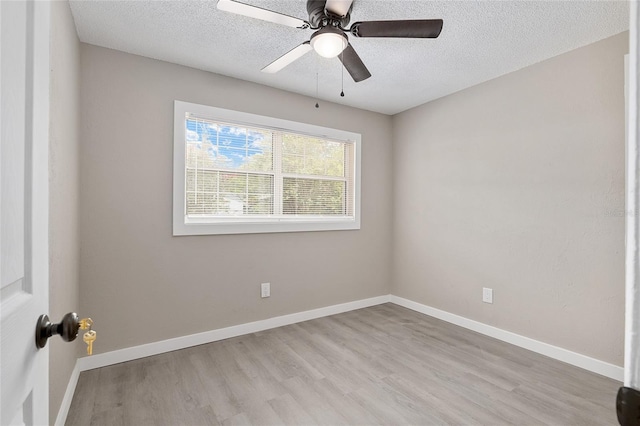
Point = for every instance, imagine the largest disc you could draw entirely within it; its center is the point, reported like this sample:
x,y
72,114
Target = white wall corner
x,y
61,418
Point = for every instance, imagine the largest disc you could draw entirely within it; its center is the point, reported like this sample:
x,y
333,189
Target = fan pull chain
x,y
317,85
342,68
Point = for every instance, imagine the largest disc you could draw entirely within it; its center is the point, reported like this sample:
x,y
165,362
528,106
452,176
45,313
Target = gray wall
x,y
518,184
63,194
139,283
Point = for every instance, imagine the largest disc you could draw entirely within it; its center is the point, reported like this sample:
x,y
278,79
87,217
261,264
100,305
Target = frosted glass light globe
x,y
328,42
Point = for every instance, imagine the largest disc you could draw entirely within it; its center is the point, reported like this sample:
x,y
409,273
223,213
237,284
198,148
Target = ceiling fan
x,y
329,19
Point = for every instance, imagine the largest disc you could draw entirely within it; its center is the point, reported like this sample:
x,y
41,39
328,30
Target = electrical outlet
x,y
265,290
487,295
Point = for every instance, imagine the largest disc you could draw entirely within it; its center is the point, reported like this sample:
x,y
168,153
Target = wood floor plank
x,y
290,411
375,366
353,413
431,400
262,414
216,391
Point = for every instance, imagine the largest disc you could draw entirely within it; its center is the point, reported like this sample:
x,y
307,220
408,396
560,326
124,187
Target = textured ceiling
x,y
480,40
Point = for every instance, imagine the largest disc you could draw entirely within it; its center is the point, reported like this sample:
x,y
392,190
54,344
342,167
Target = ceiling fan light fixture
x,y
329,42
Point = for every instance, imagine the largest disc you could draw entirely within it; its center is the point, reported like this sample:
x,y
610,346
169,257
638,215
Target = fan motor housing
x,y
318,18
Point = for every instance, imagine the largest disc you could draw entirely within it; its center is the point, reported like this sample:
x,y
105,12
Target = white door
x,y
632,322
24,127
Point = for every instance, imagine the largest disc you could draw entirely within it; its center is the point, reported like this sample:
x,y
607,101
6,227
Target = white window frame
x,y
182,225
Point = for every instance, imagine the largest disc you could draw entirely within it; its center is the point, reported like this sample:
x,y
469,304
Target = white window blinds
x,y
242,171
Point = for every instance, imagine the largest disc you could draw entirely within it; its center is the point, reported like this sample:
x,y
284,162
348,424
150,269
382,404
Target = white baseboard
x,y
591,364
155,348
142,351
61,418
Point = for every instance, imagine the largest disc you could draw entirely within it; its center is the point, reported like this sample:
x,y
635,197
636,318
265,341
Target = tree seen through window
x,y
234,170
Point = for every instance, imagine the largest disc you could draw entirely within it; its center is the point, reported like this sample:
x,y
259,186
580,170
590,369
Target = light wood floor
x,y
379,365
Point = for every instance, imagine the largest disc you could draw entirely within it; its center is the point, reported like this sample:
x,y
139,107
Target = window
x,y
238,173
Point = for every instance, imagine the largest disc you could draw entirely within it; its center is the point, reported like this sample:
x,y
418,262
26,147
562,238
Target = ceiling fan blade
x,y
354,64
284,60
259,13
420,28
338,7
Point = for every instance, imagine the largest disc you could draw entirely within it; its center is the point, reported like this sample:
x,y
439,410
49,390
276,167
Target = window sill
x,y
200,227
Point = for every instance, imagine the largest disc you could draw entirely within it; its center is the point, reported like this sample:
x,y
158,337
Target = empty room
x,y
300,212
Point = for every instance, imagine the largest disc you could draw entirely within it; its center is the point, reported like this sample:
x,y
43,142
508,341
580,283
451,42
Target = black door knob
x,y
67,329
